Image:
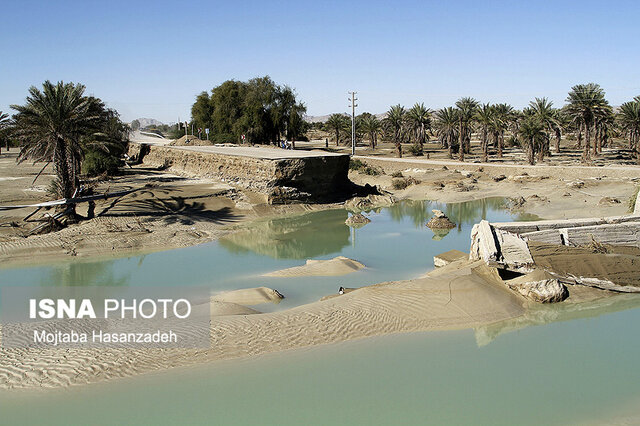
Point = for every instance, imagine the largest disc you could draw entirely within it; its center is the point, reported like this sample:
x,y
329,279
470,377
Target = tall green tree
x,y
532,136
446,124
584,103
466,111
202,111
504,117
419,119
604,122
395,121
629,119
337,123
59,125
544,112
372,127
485,118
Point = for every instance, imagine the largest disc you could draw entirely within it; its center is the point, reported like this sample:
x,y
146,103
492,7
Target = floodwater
x,y
559,364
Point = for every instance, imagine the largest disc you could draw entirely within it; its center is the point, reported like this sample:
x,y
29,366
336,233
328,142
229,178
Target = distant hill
x,y
145,122
324,118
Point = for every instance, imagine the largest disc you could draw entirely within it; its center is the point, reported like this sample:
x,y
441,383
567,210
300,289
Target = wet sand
x,y
454,297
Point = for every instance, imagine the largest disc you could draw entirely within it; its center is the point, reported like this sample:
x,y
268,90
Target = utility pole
x,y
353,121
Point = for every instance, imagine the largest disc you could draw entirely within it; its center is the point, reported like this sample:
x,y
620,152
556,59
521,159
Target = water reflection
x,y
466,213
541,314
322,233
300,237
102,273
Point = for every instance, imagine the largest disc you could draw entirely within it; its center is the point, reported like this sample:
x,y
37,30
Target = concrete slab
x,y
264,153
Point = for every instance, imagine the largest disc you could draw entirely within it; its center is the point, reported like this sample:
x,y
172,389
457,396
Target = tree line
x,y
259,109
587,114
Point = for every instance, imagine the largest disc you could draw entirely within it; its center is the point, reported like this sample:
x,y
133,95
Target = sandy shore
x,y
339,265
458,296
169,211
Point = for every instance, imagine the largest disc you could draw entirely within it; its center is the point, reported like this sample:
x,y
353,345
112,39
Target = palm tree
x,y
372,127
337,123
532,135
447,127
466,110
52,127
485,117
585,103
4,125
396,122
603,123
563,123
504,116
543,110
419,118
629,119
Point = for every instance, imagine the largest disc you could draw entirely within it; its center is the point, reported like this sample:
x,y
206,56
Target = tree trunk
x,y
399,149
531,152
558,137
540,152
65,178
500,144
586,156
461,144
485,146
580,136
450,147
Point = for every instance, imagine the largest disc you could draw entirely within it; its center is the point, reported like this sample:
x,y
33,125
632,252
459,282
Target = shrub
x,y
403,183
361,167
416,150
98,162
397,174
511,141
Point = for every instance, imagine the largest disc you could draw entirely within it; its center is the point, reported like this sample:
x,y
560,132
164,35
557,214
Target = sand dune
x,y
337,266
225,308
249,296
459,295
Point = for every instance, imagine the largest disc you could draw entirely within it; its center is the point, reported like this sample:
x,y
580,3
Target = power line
x,y
353,121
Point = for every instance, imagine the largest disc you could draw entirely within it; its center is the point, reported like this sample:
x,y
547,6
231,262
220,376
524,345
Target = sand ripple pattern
x,y
453,297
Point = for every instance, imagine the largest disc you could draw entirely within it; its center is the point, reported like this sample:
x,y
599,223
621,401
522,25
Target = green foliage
x,y
259,109
416,150
362,167
337,123
60,125
403,183
98,162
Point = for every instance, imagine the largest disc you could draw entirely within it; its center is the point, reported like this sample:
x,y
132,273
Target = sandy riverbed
x,y
170,211
176,212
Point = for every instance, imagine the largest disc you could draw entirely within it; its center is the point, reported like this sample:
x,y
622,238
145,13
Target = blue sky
x,y
150,59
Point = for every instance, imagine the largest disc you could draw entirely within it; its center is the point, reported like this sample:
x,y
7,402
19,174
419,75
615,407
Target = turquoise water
x,y
560,364
396,245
